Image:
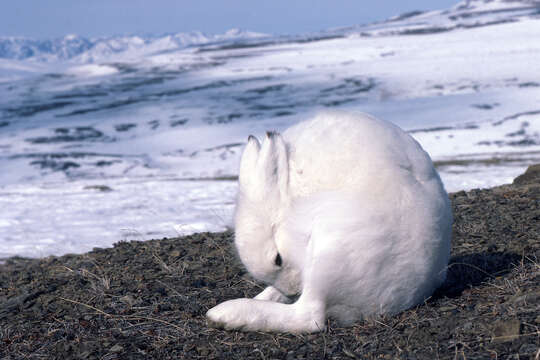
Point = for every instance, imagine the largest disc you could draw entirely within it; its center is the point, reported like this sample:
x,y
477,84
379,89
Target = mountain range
x,y
465,14
86,50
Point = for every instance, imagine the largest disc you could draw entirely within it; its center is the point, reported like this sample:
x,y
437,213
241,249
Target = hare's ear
x,y
264,170
273,164
248,162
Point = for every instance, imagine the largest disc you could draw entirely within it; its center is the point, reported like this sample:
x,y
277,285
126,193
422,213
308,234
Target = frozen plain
x,y
144,142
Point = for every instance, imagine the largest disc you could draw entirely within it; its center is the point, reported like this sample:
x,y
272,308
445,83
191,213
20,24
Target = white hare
x,y
343,215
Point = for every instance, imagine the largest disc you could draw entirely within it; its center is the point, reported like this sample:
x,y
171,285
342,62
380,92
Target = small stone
x,y
527,349
128,300
506,330
203,351
447,308
116,349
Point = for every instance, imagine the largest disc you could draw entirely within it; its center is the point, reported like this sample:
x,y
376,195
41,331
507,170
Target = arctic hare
x,y
343,215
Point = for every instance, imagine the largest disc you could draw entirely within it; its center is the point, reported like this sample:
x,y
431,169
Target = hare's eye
x,y
277,261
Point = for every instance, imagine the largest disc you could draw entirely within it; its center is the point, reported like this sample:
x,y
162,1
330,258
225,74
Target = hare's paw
x,y
229,315
261,315
273,294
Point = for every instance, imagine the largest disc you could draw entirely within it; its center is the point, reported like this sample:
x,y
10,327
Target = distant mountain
x,y
90,50
19,48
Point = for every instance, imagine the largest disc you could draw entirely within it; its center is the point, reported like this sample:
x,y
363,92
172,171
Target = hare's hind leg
x,y
273,294
261,315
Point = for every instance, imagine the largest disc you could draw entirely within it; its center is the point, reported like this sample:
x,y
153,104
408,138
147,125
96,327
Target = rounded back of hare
x,y
344,213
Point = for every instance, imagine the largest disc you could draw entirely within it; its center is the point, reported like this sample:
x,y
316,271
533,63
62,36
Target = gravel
x,y
141,300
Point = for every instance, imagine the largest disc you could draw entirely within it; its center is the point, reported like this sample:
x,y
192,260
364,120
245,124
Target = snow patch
x,y
91,70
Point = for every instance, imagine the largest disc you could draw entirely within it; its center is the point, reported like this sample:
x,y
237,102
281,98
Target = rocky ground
x,y
143,300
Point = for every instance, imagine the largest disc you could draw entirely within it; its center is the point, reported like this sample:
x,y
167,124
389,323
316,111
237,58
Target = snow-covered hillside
x,y
161,121
466,14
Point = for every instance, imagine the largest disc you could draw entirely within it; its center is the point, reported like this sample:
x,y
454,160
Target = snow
x,y
13,70
62,216
91,70
162,121
490,5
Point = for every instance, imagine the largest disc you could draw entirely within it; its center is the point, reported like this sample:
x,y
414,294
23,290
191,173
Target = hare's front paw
x,y
228,315
273,294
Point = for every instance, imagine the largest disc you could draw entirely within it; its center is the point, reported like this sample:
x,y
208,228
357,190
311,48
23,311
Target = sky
x,y
94,18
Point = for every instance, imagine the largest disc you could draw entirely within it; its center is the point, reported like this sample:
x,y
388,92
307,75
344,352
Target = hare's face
x,y
256,242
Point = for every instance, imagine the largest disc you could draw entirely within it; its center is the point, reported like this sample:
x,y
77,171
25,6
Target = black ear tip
x,y
271,134
251,138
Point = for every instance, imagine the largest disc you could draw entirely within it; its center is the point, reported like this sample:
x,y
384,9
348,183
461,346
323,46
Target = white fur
x,y
358,214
